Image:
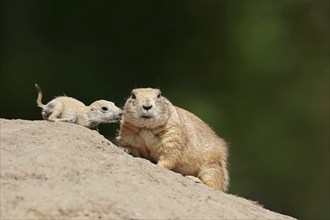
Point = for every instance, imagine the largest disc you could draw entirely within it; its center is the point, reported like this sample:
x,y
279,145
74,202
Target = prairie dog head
x,y
146,108
103,111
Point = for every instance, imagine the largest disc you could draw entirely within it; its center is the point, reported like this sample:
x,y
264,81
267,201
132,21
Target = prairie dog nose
x,y
147,107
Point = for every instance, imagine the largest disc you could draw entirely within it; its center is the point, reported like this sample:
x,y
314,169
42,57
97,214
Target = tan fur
x,y
173,138
67,109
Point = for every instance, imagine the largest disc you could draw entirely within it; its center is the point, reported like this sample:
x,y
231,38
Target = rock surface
x,y
63,170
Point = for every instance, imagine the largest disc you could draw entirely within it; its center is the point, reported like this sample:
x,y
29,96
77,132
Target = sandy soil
x,y
61,170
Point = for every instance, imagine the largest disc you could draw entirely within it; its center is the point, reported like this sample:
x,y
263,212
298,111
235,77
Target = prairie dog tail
x,y
39,98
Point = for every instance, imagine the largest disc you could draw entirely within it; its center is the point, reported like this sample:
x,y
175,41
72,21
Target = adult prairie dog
x,y
67,109
173,138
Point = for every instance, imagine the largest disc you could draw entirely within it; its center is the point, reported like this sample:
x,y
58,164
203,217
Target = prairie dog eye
x,y
104,109
158,96
133,96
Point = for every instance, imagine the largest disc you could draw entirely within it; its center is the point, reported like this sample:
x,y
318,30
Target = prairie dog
x,y
173,138
67,109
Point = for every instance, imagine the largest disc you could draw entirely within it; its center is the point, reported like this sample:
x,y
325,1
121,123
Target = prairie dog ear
x,y
133,96
92,109
159,94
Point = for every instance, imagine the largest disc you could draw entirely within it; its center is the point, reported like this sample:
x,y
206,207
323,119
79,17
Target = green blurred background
x,y
256,71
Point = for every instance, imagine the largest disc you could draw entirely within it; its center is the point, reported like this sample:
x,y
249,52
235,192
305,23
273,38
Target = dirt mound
x,y
62,170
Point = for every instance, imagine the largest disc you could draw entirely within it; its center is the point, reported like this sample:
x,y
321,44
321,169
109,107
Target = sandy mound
x,y
62,170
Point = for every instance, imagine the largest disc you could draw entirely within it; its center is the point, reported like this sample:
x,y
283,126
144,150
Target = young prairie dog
x,y
67,109
173,138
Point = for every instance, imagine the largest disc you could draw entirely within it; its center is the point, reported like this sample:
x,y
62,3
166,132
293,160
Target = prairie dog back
x,y
62,108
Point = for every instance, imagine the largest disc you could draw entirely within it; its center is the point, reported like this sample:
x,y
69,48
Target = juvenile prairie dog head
x,y
146,108
103,111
